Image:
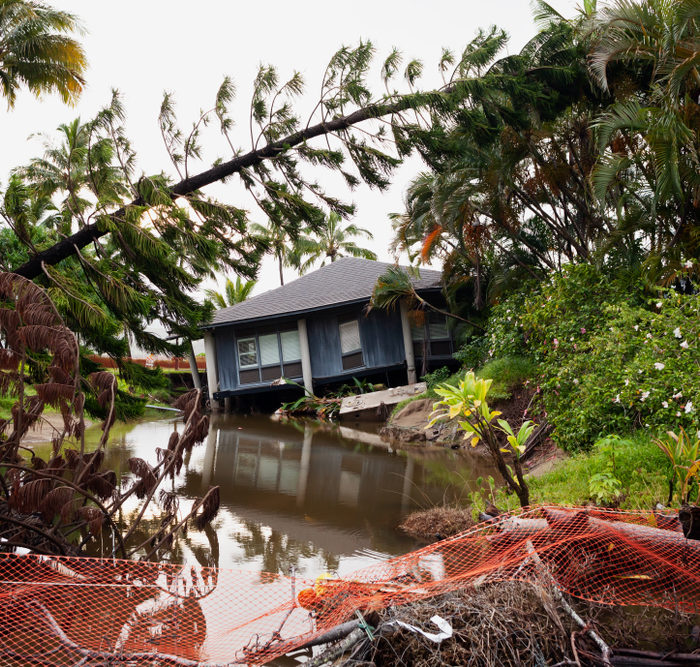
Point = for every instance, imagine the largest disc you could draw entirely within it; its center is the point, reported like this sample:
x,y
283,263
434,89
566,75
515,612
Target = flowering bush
x,y
611,359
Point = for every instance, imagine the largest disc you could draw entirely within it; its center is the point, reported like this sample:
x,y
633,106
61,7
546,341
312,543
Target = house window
x,y
350,345
267,357
291,348
432,338
269,350
247,353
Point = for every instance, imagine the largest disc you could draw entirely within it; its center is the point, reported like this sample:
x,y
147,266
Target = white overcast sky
x,y
144,48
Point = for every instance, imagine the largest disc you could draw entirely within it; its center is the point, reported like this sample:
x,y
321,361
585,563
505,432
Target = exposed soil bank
x,y
47,428
409,426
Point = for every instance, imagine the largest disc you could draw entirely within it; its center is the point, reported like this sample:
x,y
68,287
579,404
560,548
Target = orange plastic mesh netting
x,y
65,611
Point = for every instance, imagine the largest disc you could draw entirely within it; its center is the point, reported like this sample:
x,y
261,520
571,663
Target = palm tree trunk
x,y
279,261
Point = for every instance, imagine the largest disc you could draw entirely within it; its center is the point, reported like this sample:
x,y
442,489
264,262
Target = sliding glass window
x,y
268,357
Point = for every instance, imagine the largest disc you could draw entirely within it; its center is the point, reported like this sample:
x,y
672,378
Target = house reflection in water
x,y
315,486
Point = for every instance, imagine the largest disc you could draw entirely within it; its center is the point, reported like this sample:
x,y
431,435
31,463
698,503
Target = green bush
x,y
611,359
507,373
438,376
641,470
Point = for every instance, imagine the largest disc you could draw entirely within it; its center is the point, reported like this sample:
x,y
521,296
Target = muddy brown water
x,y
313,497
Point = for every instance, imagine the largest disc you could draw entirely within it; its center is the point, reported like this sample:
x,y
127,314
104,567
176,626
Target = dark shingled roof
x,y
346,280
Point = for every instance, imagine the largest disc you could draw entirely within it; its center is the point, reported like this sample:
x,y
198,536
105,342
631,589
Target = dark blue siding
x,y
380,334
226,358
324,346
382,338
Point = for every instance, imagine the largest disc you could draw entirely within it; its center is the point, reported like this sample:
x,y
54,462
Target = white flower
x,y
659,304
688,408
645,395
627,383
664,403
575,380
617,398
678,395
659,366
636,327
677,332
678,414
684,344
688,264
648,335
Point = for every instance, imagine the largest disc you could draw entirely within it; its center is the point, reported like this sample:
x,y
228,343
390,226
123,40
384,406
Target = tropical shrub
x,y
612,358
467,401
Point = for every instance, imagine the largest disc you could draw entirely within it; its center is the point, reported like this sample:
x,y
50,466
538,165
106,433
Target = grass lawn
x,y
640,466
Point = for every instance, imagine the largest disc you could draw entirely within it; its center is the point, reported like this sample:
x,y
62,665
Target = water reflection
x,y
313,497
303,495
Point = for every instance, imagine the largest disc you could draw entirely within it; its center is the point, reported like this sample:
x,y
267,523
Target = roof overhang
x,y
297,313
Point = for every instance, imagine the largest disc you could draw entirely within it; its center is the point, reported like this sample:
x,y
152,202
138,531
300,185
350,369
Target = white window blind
x,y
438,330
418,333
269,349
350,337
291,349
247,353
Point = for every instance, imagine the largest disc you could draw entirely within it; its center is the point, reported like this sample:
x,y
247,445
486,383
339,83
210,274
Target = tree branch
x,y
93,231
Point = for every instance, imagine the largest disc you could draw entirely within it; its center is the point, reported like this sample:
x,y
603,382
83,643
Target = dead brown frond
x,y
27,498
102,381
52,392
147,479
188,402
56,502
169,502
94,518
208,509
9,360
103,485
174,439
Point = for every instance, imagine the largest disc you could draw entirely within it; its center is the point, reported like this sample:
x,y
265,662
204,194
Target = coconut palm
x,y
654,128
280,243
36,51
234,292
332,241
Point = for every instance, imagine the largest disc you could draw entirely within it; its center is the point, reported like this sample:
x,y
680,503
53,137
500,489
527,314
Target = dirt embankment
x,y
47,428
410,425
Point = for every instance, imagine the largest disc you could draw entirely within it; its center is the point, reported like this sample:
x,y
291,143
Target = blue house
x,y
316,331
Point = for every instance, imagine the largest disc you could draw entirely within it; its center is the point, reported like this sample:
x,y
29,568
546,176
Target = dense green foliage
x,y
611,357
564,200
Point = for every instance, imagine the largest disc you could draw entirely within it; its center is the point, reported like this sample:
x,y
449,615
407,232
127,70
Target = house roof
x,y
347,280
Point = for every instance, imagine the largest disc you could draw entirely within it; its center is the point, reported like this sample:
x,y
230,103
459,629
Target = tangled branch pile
x,y
521,625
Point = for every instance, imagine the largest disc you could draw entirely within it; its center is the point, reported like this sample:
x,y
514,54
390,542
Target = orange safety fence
x,y
88,611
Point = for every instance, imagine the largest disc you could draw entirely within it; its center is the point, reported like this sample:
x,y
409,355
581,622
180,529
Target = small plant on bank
x,y
468,400
684,454
436,377
604,486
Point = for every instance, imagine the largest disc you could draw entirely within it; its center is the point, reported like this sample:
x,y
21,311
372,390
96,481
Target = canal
x,y
313,497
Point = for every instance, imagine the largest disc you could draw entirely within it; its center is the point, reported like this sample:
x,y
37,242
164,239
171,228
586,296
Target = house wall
x,y
226,358
380,336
